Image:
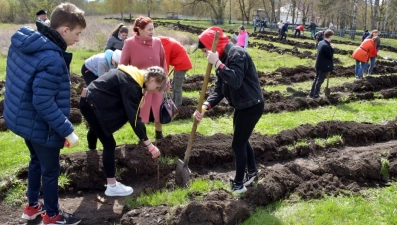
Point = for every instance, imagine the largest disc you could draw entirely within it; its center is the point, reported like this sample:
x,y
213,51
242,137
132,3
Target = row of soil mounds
x,y
297,44
275,102
261,33
285,75
310,171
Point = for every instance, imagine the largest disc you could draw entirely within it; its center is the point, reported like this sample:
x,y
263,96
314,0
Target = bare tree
x,y
354,22
375,15
217,7
246,7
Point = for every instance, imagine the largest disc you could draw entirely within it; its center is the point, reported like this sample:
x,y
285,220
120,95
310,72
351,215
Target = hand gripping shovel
x,y
327,91
182,170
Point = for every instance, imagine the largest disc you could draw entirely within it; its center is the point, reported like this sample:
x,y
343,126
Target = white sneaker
x,y
118,190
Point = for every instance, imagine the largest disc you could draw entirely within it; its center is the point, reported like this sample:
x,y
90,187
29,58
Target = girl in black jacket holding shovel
x,y
237,81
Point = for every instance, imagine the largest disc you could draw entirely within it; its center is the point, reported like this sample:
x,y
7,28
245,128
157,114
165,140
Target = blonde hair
x,y
158,74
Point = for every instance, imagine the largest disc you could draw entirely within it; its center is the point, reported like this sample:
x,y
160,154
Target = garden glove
x,y
212,57
71,140
199,115
154,151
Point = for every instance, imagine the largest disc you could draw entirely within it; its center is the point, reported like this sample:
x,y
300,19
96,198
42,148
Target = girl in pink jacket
x,y
143,51
242,38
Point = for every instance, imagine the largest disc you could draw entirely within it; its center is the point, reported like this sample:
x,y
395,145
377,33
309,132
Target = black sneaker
x,y
237,188
250,177
62,218
159,135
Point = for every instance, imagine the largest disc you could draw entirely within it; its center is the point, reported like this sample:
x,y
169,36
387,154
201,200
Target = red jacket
x,y
175,54
363,52
300,27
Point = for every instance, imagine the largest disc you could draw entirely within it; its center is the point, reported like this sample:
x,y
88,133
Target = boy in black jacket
x,y
324,63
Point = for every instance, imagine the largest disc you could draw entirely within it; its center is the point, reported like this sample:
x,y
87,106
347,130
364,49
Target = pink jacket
x,y
144,53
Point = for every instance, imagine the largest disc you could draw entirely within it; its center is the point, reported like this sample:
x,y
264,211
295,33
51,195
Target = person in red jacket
x,y
176,56
298,31
362,54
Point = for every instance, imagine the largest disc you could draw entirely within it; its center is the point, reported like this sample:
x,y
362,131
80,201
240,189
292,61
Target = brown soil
x,y
310,171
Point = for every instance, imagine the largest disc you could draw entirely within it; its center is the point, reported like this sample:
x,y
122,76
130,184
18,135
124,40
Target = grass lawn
x,y
374,206
14,153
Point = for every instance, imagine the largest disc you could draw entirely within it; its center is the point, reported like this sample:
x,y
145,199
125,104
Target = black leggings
x,y
108,142
88,75
244,122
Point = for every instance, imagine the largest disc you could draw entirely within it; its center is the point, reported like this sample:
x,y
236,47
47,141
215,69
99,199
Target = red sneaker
x,y
62,218
30,212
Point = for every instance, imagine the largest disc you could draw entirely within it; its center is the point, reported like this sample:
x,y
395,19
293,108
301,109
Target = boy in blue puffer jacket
x,y
37,104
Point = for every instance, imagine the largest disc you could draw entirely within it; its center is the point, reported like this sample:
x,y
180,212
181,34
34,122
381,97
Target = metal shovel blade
x,y
182,174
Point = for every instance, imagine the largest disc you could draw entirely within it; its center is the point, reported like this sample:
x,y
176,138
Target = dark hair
x,y
241,27
120,28
366,31
141,22
328,33
67,14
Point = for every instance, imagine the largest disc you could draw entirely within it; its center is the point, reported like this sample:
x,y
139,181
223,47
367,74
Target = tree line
x,y
344,14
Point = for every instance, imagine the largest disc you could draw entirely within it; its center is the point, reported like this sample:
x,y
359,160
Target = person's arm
x,y
327,51
233,73
246,41
125,57
215,97
131,97
109,43
102,67
45,87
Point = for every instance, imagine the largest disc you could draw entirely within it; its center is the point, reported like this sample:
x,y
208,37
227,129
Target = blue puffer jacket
x,y
37,97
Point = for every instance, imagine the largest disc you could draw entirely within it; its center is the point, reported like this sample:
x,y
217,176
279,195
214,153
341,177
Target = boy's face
x,y
70,36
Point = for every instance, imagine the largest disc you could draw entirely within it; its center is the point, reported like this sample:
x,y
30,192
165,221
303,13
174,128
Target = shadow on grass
x,y
345,107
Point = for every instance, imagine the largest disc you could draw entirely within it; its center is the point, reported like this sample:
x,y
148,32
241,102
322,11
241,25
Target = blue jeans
x,y
360,68
371,65
312,33
43,166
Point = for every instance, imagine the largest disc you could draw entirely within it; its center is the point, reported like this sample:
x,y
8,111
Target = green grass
x,y
176,197
375,206
15,195
15,154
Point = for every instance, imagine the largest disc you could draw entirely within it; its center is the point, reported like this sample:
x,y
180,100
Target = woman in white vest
x,y
242,38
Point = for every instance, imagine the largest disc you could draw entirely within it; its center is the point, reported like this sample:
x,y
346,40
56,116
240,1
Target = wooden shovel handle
x,y
200,102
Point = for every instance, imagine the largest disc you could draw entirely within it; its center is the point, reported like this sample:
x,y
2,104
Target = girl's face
x,y
123,36
240,31
147,32
375,34
151,85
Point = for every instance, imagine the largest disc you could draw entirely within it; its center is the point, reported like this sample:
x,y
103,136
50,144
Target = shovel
x,y
182,170
327,91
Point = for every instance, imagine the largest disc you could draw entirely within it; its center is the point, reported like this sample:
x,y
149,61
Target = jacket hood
x,y
135,73
208,36
108,56
164,40
29,41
